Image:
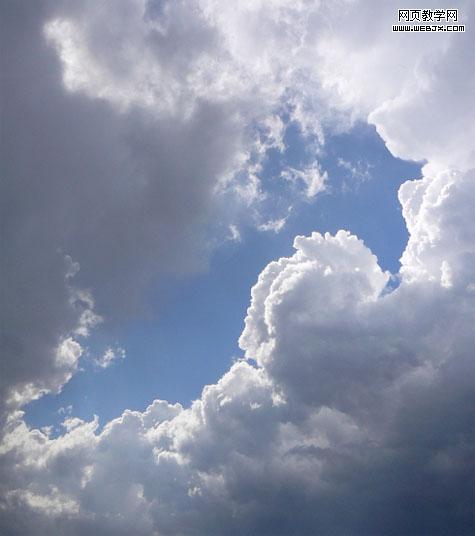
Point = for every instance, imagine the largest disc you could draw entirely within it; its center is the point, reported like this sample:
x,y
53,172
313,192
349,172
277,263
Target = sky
x,y
188,336
238,285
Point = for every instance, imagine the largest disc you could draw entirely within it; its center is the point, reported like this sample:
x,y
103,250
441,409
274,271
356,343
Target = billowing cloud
x,y
352,410
359,404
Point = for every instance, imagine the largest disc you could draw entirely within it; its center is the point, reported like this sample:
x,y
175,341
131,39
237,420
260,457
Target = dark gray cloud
x,y
125,196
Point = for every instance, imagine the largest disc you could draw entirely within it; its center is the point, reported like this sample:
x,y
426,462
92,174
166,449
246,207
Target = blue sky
x,y
188,336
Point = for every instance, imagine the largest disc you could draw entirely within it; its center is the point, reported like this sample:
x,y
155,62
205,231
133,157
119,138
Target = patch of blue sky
x,y
188,337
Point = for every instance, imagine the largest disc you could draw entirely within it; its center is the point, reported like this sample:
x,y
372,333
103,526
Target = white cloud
x,y
273,225
109,357
234,233
430,119
358,172
65,410
311,177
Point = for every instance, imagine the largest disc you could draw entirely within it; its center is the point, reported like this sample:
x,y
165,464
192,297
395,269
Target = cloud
x,y
273,225
109,357
436,102
98,200
234,233
360,402
312,177
352,410
358,172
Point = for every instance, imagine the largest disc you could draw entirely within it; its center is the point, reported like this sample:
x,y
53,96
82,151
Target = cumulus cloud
x,y
351,412
359,403
442,88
